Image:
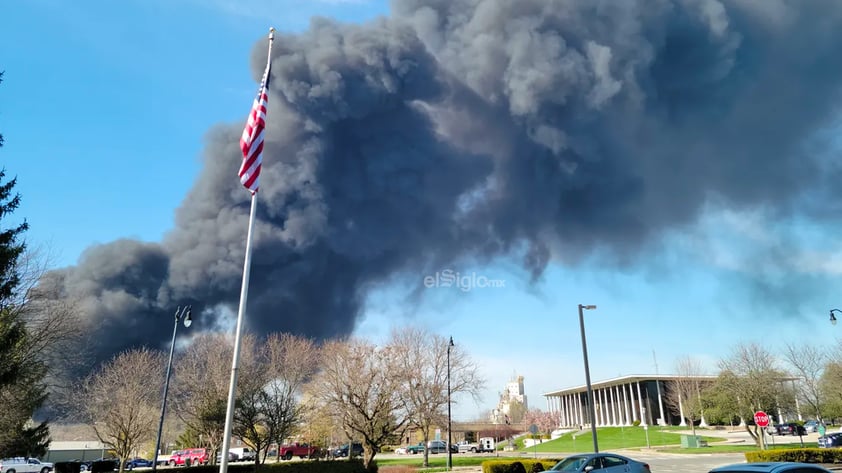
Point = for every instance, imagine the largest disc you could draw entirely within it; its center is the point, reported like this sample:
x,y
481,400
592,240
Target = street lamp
x,y
180,313
833,317
588,374
449,436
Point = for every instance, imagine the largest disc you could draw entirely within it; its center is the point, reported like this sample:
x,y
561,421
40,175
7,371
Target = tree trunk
x,y
368,455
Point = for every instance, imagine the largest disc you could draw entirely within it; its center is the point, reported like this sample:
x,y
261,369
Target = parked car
x,y
790,428
342,451
437,446
189,457
400,451
244,453
771,467
604,462
105,464
137,462
811,426
414,449
831,440
232,457
24,465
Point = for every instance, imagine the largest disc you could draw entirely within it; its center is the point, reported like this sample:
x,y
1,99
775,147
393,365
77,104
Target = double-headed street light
x,y
180,313
833,317
449,436
588,374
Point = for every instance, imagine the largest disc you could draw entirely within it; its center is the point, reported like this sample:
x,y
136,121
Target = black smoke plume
x,y
468,130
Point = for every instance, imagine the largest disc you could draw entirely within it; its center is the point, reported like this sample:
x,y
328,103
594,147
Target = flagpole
x,y
232,387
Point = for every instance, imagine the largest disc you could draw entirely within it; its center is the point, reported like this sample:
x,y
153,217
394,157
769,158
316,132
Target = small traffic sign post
x,y
533,429
762,421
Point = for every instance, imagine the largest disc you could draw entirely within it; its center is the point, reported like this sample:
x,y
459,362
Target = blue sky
x,y
104,109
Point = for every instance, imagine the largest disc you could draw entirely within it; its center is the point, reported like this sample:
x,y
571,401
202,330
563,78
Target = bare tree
x,y
201,379
359,384
809,362
120,400
321,425
685,394
250,421
290,362
749,381
421,359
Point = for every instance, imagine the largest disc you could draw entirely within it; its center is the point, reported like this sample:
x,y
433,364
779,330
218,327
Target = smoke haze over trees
x,y
460,131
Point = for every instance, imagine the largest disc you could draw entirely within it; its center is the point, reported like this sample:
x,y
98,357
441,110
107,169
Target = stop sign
x,y
761,419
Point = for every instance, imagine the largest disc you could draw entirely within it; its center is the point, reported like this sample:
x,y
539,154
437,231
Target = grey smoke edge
x,y
464,130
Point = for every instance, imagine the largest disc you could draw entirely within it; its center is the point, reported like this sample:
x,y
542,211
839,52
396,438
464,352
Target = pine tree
x,y
22,389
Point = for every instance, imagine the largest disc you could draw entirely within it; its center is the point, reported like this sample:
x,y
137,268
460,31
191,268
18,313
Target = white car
x,y
400,450
24,465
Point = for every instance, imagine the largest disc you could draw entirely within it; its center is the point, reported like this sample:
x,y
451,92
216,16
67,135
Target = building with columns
x,y
618,401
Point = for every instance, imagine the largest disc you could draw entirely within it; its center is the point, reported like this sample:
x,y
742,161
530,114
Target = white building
x,y
513,393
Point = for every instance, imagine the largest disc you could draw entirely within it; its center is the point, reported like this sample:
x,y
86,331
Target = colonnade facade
x,y
617,402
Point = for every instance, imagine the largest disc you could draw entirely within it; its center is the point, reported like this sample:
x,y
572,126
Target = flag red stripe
x,y
251,142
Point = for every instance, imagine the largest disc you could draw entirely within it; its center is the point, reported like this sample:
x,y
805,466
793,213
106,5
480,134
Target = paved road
x,y
686,463
658,462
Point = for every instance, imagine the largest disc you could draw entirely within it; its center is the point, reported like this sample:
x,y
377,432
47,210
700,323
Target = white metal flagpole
x,y
232,388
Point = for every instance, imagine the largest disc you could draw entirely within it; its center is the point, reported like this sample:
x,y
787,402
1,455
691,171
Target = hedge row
x,y
321,466
518,466
802,455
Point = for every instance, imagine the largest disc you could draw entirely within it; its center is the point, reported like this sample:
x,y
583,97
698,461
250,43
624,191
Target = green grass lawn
x,y
666,439
615,438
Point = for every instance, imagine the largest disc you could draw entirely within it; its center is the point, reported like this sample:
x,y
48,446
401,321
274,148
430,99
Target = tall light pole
x,y
588,374
833,317
449,425
180,313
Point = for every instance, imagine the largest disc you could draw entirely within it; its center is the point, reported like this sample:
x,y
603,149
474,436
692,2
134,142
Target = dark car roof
x,y
768,467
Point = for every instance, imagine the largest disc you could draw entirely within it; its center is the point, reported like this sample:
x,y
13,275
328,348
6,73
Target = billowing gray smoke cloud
x,y
461,130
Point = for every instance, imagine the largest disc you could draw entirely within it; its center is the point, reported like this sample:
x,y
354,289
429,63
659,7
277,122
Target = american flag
x,y
252,140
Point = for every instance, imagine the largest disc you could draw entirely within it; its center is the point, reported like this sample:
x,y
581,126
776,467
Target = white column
x,y
661,404
631,403
581,418
571,408
619,406
702,422
626,406
564,418
601,408
640,405
681,411
613,407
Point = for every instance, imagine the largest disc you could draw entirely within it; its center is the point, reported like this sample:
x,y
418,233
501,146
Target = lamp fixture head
x,y
188,319
589,307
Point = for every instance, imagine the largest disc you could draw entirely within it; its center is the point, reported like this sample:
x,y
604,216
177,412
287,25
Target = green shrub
x,y
537,467
802,455
514,466
636,423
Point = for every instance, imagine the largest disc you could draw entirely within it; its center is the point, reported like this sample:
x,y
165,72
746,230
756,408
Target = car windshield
x,y
570,464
